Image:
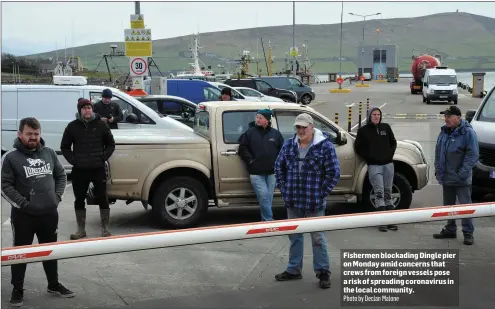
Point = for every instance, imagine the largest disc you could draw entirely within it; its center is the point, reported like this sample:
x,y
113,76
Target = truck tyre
x,y
180,202
424,99
401,185
306,99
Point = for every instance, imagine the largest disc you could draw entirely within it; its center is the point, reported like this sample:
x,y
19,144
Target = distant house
x,y
47,68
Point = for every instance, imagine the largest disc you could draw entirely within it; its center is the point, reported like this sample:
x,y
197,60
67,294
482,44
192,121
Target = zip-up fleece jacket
x,y
259,149
33,181
456,153
320,173
91,141
376,144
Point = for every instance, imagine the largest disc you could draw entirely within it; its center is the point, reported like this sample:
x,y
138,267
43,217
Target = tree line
x,y
22,65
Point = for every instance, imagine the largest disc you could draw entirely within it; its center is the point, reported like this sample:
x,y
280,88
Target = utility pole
x,y
341,22
294,67
362,47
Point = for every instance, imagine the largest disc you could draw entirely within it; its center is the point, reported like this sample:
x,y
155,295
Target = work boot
x,y
16,300
392,227
468,239
324,277
444,234
81,225
286,276
383,228
105,220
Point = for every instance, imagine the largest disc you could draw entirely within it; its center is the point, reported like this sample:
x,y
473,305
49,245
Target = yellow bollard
x,y
349,119
337,118
360,113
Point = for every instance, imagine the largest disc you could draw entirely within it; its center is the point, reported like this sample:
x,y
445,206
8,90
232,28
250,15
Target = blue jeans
x,y
264,186
321,260
463,194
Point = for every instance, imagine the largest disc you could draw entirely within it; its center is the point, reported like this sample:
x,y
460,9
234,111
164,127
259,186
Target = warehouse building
x,y
378,59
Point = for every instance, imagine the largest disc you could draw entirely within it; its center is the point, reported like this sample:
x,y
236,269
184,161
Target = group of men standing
x,y
34,182
305,168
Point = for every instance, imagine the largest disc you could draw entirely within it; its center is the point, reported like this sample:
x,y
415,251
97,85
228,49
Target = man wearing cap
x,y
376,144
456,153
259,148
110,112
307,169
87,144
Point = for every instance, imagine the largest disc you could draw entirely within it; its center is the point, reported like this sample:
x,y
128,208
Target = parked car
x,y
305,94
251,93
235,94
181,173
263,87
174,107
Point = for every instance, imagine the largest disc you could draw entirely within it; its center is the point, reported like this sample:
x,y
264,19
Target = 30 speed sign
x,y
138,66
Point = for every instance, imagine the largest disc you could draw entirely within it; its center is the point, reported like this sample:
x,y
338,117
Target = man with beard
x,y
87,144
33,182
259,148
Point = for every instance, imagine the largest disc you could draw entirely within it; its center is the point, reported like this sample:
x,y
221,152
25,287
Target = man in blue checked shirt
x,y
307,169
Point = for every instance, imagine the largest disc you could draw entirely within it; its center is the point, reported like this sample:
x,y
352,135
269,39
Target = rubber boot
x,y
105,220
81,225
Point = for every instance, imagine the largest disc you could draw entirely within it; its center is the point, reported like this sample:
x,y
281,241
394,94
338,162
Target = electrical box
x,y
158,85
478,85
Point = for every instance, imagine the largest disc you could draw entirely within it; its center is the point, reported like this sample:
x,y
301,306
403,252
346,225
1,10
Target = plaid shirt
x,y
308,188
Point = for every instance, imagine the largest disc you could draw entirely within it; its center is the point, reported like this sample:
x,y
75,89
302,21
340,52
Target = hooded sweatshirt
x,y
33,181
376,144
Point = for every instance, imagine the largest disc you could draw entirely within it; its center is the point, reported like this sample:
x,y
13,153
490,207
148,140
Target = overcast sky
x,y
33,27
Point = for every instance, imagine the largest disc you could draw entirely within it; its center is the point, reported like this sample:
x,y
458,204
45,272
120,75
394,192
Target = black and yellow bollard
x,y
360,113
337,118
349,119
367,105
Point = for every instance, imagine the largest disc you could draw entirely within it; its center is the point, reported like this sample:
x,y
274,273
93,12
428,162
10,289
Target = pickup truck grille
x,y
487,156
443,91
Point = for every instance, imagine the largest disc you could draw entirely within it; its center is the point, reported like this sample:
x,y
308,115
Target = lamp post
x,y
364,25
340,59
294,61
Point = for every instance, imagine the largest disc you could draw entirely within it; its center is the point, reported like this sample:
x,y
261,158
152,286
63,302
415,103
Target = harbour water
x,y
464,77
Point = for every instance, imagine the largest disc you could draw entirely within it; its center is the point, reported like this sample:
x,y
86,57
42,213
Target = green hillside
x,y
467,40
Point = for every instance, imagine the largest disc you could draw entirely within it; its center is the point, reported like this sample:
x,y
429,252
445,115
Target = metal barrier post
x,y
337,118
349,119
360,113
367,106
164,239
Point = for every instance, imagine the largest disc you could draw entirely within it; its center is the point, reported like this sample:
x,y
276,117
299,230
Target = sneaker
x,y
393,227
324,279
445,234
383,228
468,239
17,297
60,290
285,276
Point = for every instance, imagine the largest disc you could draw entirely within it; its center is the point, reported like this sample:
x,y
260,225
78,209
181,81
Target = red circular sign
x,y
340,80
362,77
139,66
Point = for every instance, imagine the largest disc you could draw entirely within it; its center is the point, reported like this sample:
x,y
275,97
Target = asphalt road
x,y
239,274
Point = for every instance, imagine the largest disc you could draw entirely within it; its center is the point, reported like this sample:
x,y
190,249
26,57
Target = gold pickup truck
x,y
182,173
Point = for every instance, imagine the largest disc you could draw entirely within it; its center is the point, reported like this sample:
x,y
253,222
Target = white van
x,y
440,84
56,105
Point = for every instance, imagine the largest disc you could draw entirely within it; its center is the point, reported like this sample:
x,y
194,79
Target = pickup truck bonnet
x,y
157,136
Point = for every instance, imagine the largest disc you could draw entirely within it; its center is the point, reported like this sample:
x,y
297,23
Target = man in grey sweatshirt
x,y
33,182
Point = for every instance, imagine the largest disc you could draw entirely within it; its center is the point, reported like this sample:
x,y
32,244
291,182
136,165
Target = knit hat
x,y
267,113
107,93
227,91
83,102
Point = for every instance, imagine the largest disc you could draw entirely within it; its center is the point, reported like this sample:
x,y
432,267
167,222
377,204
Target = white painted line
x,y
7,222
365,118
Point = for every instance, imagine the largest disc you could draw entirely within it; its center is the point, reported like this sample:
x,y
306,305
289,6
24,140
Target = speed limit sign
x,y
138,66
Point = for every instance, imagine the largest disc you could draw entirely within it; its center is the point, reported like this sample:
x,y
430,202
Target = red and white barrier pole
x,y
155,240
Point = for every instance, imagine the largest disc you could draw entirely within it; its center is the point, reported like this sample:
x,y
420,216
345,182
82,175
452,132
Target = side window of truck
x,y
286,119
236,123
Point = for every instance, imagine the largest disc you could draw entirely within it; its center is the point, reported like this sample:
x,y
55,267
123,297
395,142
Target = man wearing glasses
x,y
306,171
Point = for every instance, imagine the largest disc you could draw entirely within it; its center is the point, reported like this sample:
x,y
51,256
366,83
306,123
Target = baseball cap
x,y
303,120
452,110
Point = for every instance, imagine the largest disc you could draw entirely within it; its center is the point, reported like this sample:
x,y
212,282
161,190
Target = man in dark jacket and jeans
x,y
87,144
376,144
110,112
307,169
33,182
456,153
259,148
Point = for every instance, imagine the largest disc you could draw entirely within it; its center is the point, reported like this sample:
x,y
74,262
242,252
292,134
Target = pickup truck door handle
x,y
229,152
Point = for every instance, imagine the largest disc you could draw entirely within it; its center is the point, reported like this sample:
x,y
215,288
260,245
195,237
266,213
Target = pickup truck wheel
x,y
401,194
180,202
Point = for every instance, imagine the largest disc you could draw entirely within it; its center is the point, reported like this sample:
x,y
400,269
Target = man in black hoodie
x,y
376,144
259,148
87,144
33,182
110,112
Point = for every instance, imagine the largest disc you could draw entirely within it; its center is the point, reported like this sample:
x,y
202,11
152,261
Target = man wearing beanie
x,y
87,144
226,95
110,112
259,148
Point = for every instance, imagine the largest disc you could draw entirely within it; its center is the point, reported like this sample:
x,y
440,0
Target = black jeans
x,y
24,227
81,178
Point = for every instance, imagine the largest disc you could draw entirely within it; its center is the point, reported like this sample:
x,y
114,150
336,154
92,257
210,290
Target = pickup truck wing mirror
x,y
470,115
132,118
341,138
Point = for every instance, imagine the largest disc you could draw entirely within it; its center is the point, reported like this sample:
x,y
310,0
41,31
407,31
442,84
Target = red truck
x,y
418,68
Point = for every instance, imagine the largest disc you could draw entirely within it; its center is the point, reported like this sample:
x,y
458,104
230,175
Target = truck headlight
x,y
454,91
431,91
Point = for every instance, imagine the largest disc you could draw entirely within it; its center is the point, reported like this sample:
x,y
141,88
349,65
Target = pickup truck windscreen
x,y
488,110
